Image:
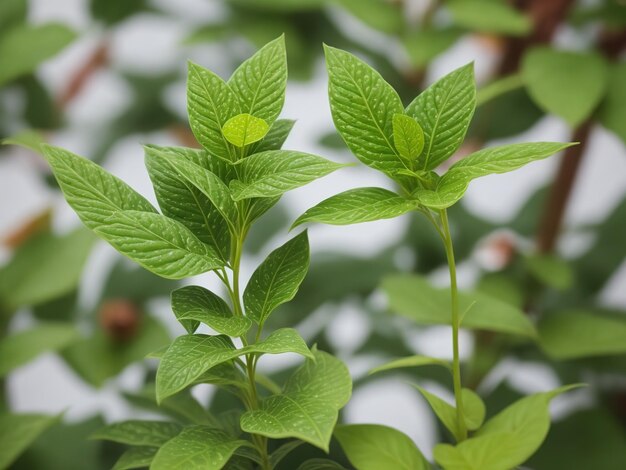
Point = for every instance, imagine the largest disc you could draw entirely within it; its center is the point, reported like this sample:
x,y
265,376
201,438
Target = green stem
x,y
456,323
252,401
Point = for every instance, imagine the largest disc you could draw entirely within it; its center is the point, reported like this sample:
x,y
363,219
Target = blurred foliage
x,y
579,339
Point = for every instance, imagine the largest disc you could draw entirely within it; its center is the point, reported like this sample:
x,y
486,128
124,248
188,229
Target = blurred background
x,y
103,77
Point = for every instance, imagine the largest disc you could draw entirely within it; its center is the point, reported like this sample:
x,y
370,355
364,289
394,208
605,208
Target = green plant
x,y
407,144
209,199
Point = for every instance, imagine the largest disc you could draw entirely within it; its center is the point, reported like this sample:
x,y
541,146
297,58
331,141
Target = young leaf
x,y
18,432
182,201
93,193
357,205
159,244
415,298
195,304
275,137
489,17
136,457
506,440
259,83
578,333
210,103
197,448
474,410
190,356
363,105
309,405
277,279
444,111
139,433
20,348
209,184
412,361
374,447
493,160
553,86
272,173
408,138
244,129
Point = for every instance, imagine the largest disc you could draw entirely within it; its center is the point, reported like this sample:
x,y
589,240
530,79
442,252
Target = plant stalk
x,y
456,324
253,401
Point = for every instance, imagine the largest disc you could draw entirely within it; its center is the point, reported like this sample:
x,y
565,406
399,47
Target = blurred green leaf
x,y
577,333
423,45
382,15
414,297
44,268
550,270
553,86
489,17
593,439
613,110
12,12
17,432
20,348
24,47
112,12
100,357
29,139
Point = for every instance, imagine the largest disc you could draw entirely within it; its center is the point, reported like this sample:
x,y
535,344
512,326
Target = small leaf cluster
x,y
208,199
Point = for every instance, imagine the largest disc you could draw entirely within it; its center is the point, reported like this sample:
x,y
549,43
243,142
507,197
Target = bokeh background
x,y
103,77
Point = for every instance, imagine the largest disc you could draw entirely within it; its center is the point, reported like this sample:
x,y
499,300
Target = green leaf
x,y
577,333
568,84
415,298
506,440
260,82
612,113
473,410
244,129
28,139
275,137
309,405
159,244
46,267
139,433
195,304
379,14
493,160
209,184
274,172
374,447
408,138
24,47
550,270
20,348
179,199
277,279
196,448
18,432
423,45
444,111
136,457
357,205
190,356
489,17
93,193
363,105
411,361
320,464
210,103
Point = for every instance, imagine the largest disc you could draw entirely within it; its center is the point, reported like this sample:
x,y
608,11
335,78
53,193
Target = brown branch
x,y
98,59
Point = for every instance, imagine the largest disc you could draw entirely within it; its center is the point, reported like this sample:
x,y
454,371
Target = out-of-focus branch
x,y
98,59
